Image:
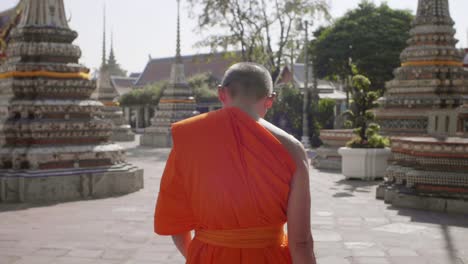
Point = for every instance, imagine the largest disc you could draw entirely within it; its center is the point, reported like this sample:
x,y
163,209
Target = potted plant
x,y
366,155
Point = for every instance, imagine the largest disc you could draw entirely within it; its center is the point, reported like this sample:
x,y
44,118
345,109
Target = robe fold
x,y
225,172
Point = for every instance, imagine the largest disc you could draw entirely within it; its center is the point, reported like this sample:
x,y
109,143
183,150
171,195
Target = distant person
x,y
235,180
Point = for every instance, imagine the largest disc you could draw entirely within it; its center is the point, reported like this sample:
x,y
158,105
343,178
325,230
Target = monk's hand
x,y
182,242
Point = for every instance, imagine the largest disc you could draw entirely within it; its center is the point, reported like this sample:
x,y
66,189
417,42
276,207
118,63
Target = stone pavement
x,y
349,226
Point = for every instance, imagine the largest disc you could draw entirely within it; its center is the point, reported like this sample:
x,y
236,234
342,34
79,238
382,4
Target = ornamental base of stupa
x,y
123,134
427,173
68,185
156,140
327,157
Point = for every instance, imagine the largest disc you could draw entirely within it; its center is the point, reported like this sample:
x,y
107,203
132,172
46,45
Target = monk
x,y
236,180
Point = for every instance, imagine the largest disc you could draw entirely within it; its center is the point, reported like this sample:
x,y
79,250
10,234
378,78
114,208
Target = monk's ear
x,y
221,94
268,103
269,100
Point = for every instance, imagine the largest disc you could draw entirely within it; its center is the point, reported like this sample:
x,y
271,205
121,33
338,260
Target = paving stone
x,y
52,252
35,260
326,236
16,251
400,228
324,213
74,260
333,260
368,252
118,254
8,259
359,245
369,260
85,253
412,260
402,252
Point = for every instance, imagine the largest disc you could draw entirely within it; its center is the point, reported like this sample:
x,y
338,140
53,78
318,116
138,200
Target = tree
x,y
204,87
148,95
286,112
362,117
373,37
326,113
263,30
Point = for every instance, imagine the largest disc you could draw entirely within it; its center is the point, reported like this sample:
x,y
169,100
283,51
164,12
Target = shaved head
x,y
248,80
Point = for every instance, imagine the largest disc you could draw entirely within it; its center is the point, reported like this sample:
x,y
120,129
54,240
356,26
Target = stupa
x,y
425,112
53,147
177,103
108,95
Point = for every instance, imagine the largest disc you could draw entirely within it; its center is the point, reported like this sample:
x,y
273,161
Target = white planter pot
x,y
366,164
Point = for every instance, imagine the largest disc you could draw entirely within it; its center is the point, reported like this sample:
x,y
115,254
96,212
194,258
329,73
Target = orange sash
x,y
261,237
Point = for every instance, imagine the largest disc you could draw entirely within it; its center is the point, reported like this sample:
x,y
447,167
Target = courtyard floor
x,y
348,224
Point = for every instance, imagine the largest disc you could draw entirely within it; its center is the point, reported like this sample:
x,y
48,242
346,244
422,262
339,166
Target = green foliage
x,y
204,86
360,116
372,36
148,95
286,112
326,113
264,31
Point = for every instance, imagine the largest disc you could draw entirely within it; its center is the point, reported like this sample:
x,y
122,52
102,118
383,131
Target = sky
x,y
144,28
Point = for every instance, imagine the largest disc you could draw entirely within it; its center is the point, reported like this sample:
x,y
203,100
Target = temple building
x,y
177,103
107,94
159,69
425,111
53,145
295,75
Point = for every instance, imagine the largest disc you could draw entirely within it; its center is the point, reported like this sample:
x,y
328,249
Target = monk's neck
x,y
248,109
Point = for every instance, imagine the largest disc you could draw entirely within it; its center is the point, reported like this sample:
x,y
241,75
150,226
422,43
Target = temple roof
x,y
123,85
135,75
327,89
160,69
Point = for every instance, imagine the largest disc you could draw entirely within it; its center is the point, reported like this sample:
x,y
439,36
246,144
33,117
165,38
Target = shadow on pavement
x,y
347,188
444,220
429,217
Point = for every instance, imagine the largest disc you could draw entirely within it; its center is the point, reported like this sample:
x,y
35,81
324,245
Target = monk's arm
x,y
182,242
299,231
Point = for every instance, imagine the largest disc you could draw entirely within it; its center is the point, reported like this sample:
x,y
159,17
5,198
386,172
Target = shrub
x,y
360,116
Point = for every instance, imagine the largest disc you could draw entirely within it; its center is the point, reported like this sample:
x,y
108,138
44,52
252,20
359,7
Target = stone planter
x,y
365,164
327,157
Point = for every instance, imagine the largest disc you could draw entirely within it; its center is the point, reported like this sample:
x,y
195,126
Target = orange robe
x,y
225,172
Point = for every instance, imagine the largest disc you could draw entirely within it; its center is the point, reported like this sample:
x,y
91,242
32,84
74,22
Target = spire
x,y
433,12
434,27
37,15
178,70
178,56
112,42
103,62
112,61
